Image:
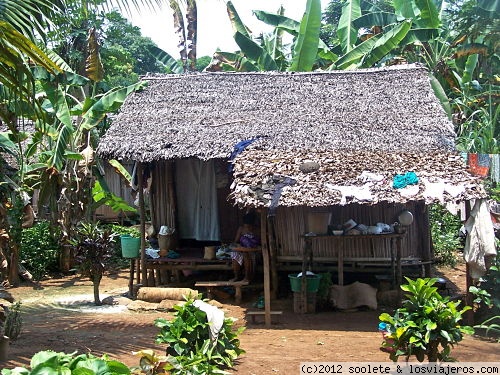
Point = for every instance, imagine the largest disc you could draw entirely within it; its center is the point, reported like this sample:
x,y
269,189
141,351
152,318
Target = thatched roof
x,y
204,115
383,121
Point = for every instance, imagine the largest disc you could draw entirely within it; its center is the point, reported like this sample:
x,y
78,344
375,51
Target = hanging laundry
x,y
495,168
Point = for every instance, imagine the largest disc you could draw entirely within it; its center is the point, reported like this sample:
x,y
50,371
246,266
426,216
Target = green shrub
x,y
50,362
116,259
444,231
40,249
190,349
428,324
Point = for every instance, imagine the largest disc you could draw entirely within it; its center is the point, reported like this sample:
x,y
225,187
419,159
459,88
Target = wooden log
x,y
150,294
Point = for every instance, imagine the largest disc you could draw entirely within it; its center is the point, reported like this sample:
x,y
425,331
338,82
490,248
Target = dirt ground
x,y
58,315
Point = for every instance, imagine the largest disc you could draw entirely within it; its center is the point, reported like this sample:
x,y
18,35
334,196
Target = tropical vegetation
x,y
427,326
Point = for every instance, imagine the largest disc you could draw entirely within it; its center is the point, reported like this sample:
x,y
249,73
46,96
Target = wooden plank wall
x,y
291,225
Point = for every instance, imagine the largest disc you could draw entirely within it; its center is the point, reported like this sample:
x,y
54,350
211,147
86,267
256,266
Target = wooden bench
x,y
210,285
253,314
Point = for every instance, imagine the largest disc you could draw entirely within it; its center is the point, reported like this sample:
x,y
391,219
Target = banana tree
x,y
267,52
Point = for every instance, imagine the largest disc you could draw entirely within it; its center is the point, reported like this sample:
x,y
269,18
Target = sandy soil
x,y
58,315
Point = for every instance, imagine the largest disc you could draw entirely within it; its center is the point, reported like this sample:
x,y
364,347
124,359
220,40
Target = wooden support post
x,y
271,235
143,223
266,263
469,297
131,278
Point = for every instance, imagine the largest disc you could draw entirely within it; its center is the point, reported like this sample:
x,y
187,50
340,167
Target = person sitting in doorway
x,y
244,260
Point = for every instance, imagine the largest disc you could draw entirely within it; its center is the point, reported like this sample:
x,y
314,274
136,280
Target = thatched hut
x,y
321,141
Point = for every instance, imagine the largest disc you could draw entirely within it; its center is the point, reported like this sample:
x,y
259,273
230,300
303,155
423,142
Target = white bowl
x,y
337,232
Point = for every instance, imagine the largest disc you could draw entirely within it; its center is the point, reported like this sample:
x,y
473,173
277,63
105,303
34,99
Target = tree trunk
x,y
96,281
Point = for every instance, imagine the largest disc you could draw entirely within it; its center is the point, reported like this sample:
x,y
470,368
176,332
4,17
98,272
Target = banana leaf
x,y
440,94
255,52
121,170
375,19
405,8
306,46
166,59
93,64
385,44
352,58
102,195
420,35
429,15
107,103
470,49
278,21
346,31
236,22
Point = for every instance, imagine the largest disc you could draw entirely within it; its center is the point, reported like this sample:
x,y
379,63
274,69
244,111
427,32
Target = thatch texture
x,y
383,121
204,115
363,177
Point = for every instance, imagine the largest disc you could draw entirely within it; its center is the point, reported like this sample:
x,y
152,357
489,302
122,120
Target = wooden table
x,y
339,241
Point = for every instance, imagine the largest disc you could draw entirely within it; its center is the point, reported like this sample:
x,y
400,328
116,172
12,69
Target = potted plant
x,y
427,325
94,247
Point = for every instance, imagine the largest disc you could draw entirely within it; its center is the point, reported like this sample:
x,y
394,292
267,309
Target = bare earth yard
x,y
58,315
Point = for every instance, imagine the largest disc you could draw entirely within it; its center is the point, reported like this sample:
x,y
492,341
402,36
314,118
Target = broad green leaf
x,y
279,21
375,19
7,145
445,335
352,58
385,44
236,22
109,102
346,31
429,15
305,47
166,59
121,170
73,155
57,98
440,94
419,35
405,8
255,52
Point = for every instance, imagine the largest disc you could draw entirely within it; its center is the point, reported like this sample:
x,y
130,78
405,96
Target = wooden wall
x,y
290,226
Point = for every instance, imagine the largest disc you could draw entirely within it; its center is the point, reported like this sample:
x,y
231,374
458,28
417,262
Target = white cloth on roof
x,y
434,190
454,190
409,191
369,176
480,241
215,317
361,193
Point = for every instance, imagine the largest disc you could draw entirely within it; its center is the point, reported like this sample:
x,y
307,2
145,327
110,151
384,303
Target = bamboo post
x,y
265,260
143,223
469,314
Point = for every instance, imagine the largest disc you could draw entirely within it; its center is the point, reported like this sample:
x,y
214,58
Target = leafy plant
x,y
13,321
190,349
428,324
50,362
444,231
93,249
40,249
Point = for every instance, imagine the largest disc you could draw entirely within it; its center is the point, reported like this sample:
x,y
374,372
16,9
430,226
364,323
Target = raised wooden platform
x,y
215,284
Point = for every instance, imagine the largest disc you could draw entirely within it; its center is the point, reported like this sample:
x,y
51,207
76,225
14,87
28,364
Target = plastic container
x,y
130,246
312,283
